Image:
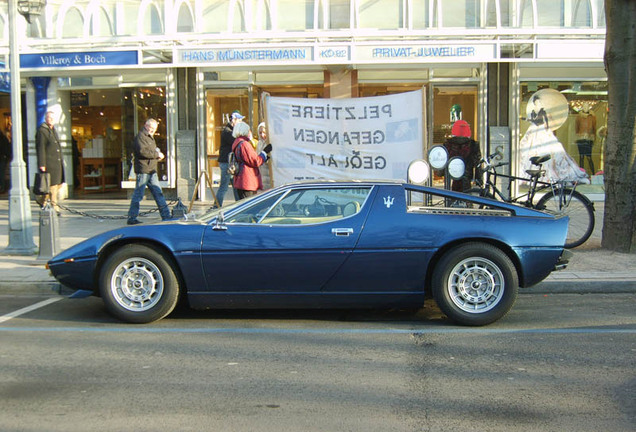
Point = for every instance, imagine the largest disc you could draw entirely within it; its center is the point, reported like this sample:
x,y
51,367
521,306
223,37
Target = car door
x,y
292,242
392,254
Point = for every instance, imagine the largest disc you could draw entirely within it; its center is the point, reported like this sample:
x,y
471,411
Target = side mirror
x,y
219,225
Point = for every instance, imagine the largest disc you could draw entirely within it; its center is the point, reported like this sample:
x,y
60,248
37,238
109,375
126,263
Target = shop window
x,y
213,17
73,26
460,14
103,126
582,14
263,17
185,23
294,15
600,13
452,103
220,103
380,14
419,14
550,13
101,24
582,135
237,18
340,14
497,13
527,13
151,21
491,13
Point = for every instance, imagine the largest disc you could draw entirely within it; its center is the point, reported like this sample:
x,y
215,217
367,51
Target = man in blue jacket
x,y
147,154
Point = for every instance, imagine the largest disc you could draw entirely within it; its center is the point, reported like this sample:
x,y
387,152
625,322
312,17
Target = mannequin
x,y
585,134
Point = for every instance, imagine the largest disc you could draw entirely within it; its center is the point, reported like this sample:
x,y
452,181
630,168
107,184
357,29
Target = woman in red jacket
x,y
248,180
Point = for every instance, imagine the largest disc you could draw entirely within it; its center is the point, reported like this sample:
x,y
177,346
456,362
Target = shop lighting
x,y
592,93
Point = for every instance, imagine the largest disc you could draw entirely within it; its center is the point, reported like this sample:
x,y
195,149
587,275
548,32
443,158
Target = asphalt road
x,y
556,363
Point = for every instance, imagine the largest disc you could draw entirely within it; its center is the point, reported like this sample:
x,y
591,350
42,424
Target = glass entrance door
x,y
219,105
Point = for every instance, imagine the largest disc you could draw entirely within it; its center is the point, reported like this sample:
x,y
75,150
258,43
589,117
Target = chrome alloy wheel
x,y
137,284
476,285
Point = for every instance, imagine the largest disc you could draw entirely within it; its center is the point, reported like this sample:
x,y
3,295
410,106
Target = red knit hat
x,y
461,128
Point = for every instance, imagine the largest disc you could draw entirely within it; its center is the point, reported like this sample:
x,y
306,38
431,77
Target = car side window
x,y
253,213
316,205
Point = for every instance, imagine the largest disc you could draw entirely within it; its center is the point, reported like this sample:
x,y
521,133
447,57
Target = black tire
x,y
138,284
475,284
580,210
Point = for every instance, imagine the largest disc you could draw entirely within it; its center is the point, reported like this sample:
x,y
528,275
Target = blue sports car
x,y
327,244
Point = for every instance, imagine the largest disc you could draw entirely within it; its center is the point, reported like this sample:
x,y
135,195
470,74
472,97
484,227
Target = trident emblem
x,y
388,201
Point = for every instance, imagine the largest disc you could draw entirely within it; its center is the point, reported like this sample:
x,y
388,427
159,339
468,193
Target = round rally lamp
x,y
456,168
437,157
419,172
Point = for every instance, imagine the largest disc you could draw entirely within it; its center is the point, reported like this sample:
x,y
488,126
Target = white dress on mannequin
x,y
539,141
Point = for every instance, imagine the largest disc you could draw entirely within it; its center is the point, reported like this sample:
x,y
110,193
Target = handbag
x,y
42,183
233,165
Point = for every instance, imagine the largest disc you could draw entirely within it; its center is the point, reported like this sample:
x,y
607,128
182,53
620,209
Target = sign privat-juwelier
x,y
78,59
421,53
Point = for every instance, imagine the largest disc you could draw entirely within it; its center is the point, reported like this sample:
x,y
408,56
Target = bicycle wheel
x,y
577,207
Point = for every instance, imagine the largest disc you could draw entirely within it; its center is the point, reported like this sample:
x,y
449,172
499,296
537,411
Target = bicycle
x,y
560,197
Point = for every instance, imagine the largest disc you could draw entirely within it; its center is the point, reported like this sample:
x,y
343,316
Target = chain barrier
x,y
103,217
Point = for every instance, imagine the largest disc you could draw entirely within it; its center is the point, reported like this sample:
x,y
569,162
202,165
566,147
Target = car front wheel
x,y
138,284
475,284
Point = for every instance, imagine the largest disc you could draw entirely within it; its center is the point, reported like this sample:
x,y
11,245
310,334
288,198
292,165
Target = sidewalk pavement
x,y
591,270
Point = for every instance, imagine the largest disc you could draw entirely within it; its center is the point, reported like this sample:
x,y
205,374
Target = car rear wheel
x,y
138,284
475,284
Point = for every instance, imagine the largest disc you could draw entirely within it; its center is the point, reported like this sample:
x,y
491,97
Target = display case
x,y
100,174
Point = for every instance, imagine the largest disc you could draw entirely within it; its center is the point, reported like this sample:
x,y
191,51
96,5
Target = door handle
x,y
342,231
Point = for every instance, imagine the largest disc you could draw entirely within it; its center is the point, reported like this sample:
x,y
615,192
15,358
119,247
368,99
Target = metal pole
x,y
20,222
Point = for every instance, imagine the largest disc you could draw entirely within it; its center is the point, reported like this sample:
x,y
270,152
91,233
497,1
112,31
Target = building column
x,y
186,143
341,83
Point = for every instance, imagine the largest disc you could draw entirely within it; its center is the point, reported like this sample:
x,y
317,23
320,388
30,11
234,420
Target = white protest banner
x,y
359,138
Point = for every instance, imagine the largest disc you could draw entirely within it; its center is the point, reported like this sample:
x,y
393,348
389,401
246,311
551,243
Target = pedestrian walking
x,y
146,155
226,147
49,155
248,180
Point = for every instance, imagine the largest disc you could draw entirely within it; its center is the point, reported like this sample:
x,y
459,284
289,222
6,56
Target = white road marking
x,y
27,309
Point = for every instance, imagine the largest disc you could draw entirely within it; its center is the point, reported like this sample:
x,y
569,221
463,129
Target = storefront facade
x,y
108,65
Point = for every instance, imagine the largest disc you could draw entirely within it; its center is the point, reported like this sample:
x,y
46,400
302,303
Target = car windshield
x,y
214,211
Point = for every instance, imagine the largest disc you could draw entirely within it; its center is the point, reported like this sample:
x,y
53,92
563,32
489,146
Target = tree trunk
x,y
619,224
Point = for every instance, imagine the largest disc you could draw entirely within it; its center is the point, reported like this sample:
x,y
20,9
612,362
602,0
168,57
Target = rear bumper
x,y
564,259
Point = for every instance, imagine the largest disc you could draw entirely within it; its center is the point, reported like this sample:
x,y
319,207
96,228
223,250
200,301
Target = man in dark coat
x,y
49,154
146,155
226,147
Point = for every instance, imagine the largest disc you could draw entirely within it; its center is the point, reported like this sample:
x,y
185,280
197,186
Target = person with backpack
x,y
247,181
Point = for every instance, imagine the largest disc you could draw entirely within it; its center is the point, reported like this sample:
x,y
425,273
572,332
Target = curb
x,y
582,286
